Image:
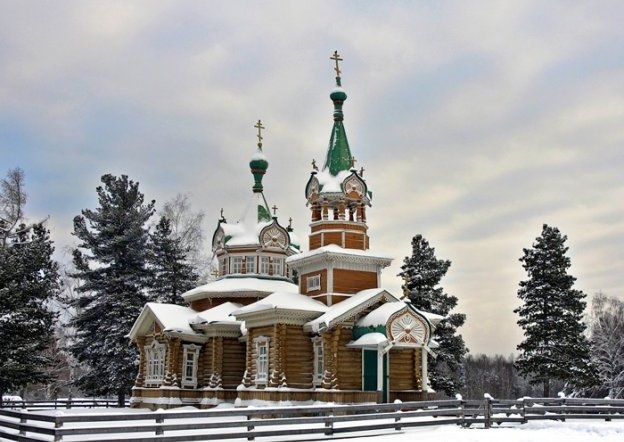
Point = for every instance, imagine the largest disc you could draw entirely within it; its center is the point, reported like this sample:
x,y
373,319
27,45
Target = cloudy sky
x,y
476,122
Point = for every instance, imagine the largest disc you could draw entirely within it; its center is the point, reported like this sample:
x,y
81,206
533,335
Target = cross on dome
x,y
274,210
336,58
259,126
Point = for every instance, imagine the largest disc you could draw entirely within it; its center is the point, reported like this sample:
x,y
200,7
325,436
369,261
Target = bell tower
x,y
339,263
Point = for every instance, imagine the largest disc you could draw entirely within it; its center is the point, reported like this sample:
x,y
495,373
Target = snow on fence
x,y
290,422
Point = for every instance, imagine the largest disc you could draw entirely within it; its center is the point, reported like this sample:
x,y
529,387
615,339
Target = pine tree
x,y
555,346
29,279
111,263
422,273
172,275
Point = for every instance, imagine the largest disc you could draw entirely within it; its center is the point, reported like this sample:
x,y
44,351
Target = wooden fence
x,y
291,422
62,403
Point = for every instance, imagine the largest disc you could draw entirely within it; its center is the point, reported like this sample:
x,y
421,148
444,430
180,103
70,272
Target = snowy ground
x,y
545,431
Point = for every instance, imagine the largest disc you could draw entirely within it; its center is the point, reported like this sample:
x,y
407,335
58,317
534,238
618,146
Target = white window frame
x,y
319,361
262,360
265,265
250,259
223,266
236,264
155,363
313,283
190,360
278,266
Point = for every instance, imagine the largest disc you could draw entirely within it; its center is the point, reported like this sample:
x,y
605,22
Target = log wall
x,y
352,281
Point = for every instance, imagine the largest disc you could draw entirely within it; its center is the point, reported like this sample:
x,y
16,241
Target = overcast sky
x,y
476,122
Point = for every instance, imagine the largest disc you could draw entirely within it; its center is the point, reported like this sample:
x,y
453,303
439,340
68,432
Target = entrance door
x,y
369,372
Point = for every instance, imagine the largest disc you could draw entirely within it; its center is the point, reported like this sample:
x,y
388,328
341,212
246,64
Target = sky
x,y
476,123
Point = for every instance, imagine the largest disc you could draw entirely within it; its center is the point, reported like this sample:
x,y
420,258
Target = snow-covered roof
x,y
283,301
333,250
219,314
242,285
348,308
243,233
381,314
171,317
369,340
331,183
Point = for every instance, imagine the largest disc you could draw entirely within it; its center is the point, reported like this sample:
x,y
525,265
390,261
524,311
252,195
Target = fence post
x,y
329,425
23,420
462,414
397,419
58,424
160,419
487,412
250,428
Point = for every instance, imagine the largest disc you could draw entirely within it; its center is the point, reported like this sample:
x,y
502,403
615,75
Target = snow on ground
x,y
543,431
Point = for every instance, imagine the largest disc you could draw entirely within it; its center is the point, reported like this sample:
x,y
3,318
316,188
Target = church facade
x,y
254,335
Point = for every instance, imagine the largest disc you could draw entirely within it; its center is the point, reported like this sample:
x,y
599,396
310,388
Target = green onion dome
x,y
258,166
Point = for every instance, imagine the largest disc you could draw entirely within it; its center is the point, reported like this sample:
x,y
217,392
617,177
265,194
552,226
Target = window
x,y
319,369
189,367
155,354
250,264
262,359
278,266
264,265
223,266
236,264
314,282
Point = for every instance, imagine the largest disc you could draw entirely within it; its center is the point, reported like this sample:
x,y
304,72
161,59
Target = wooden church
x,y
254,336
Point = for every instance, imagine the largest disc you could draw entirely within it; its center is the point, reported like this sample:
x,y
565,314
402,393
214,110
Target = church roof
x,y
219,314
283,301
171,318
241,286
349,308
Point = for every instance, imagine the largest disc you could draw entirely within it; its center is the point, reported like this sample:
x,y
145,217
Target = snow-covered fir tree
x,y
422,273
172,275
111,263
29,279
554,346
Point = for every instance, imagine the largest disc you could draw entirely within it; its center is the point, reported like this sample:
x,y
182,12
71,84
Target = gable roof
x,y
349,308
171,318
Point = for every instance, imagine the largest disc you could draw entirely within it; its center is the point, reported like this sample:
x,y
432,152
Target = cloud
x,y
475,122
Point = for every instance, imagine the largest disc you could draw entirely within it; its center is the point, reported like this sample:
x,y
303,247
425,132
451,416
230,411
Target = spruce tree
x,y
554,346
29,280
422,273
172,274
111,263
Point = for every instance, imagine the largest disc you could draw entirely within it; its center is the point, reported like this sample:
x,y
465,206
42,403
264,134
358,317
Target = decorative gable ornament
x,y
218,239
313,189
274,236
354,187
405,327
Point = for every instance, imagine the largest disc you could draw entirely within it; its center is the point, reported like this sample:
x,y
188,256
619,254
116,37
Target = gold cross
x,y
336,58
290,222
362,171
274,209
259,126
353,161
314,166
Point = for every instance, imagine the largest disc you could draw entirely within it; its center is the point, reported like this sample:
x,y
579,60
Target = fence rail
x,y
252,423
62,403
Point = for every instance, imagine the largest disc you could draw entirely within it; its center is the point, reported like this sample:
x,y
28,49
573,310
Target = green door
x,y
369,374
